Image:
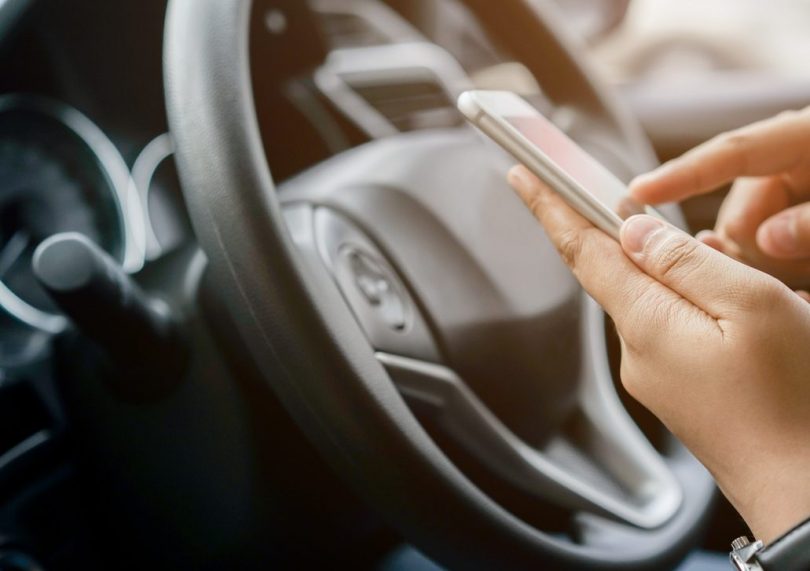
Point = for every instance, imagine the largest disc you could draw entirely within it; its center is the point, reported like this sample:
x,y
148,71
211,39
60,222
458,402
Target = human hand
x,y
765,220
716,349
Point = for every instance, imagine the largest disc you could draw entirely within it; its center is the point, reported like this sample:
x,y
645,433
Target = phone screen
x,y
578,164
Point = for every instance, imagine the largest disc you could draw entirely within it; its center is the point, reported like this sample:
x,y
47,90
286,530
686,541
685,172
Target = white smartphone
x,y
586,185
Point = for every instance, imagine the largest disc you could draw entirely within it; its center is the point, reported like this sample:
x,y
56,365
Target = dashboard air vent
x,y
410,105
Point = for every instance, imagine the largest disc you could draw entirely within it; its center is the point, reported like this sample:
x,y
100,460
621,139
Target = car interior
x,y
267,300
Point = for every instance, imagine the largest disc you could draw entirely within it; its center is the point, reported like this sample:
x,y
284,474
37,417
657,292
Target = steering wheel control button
x,y
376,285
366,278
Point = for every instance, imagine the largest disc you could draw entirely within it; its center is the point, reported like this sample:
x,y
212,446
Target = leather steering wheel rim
x,y
343,399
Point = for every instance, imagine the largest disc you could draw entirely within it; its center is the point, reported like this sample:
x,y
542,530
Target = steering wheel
x,y
405,273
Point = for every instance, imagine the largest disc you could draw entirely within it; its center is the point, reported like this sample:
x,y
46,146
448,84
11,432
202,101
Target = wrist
x,y
773,504
788,552
771,517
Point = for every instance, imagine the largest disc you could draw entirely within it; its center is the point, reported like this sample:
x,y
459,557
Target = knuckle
x,y
569,245
673,255
735,144
535,204
533,198
733,140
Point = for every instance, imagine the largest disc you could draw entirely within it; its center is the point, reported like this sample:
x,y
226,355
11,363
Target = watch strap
x,y
790,552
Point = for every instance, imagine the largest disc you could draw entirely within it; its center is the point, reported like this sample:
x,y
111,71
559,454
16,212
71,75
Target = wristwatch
x,y
790,552
744,554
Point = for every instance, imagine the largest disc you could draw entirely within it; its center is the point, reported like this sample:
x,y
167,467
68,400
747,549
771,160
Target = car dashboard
x,y
83,136
85,148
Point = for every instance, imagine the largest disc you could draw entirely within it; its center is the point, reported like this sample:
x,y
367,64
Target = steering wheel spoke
x,y
598,461
595,459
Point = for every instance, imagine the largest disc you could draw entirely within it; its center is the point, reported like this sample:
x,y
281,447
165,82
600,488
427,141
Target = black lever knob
x,y
137,331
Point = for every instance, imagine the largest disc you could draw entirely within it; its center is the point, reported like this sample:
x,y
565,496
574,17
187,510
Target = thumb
x,y
700,274
786,235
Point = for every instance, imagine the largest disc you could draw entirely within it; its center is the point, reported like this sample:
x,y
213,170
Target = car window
x,y
695,39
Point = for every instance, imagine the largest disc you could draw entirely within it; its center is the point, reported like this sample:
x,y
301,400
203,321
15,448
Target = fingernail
x,y
704,235
516,176
647,177
638,187
781,231
636,230
640,180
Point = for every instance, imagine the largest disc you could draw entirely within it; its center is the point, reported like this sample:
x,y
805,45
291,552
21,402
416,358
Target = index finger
x,y
768,147
595,258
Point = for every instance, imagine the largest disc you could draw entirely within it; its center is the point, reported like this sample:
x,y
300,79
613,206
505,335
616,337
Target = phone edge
x,y
512,141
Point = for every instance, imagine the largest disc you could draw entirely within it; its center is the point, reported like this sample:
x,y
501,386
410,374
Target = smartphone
x,y
586,185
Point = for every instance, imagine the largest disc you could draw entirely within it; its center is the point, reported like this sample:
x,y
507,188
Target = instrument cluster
x,y
59,172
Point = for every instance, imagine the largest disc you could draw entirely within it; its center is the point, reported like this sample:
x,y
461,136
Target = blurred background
x,y
84,136
694,41
693,68
688,70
